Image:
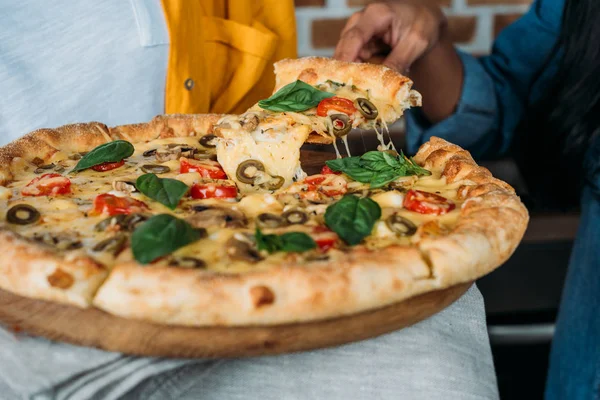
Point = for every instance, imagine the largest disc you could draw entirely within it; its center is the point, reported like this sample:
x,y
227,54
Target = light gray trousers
x,y
444,357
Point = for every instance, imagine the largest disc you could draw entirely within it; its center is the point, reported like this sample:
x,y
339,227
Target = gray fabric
x,y
444,357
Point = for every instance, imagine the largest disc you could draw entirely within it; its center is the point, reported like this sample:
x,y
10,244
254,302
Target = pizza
x,y
209,220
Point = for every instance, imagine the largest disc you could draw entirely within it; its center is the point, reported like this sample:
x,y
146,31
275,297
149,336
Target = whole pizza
x,y
209,220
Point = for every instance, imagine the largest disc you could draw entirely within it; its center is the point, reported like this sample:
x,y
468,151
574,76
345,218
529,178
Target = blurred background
x,y
522,297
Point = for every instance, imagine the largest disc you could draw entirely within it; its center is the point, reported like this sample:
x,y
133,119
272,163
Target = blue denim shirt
x,y
495,91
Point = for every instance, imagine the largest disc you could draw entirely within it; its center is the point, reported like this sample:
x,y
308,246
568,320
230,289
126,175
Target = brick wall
x,y
473,24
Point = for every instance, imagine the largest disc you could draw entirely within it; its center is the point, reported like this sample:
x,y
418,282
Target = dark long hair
x,y
558,128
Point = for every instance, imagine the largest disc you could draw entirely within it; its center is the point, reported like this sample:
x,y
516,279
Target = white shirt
x,y
65,61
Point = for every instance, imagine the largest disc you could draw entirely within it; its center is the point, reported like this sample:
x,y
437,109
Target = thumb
x,y
407,50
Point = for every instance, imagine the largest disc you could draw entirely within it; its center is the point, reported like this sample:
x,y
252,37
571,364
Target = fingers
x,y
361,28
410,47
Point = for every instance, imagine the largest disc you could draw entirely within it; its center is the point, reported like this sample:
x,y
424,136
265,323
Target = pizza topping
x,y
208,141
161,235
61,241
328,171
325,238
164,190
296,96
295,217
330,185
47,185
126,187
22,214
335,103
149,153
240,248
108,166
249,122
290,242
118,222
341,124
400,225
274,183
427,203
366,108
352,218
155,169
249,170
212,190
269,221
44,168
111,152
112,205
217,217
112,245
377,168
187,262
206,168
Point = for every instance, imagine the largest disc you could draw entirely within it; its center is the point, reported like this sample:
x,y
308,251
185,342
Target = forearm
x,y
438,76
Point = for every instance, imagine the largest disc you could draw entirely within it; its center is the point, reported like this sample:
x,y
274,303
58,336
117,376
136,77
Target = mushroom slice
x,y
250,122
217,217
241,250
187,262
112,245
61,241
126,187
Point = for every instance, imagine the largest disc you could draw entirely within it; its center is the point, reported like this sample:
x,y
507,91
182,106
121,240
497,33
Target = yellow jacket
x,y
222,52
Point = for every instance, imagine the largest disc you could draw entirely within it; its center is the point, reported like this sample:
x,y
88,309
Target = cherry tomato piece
x,y
328,171
335,103
112,205
206,168
211,190
427,203
47,185
325,238
107,166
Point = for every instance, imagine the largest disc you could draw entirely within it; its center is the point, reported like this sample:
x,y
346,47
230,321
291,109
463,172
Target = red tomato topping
x,y
47,185
324,238
337,104
206,168
427,203
327,171
329,185
112,205
211,190
107,166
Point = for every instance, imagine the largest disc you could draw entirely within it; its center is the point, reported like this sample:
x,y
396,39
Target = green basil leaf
x,y
164,190
352,167
297,242
383,178
161,235
352,218
417,169
109,152
375,161
296,96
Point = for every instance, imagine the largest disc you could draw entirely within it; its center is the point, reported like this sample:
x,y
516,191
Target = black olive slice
x,y
22,214
341,124
269,221
149,153
208,141
366,108
247,171
155,169
401,225
295,217
113,244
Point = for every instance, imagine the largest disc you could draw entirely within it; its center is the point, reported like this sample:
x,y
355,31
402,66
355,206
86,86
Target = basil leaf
x,y
161,235
352,218
164,190
383,178
375,161
296,242
109,152
296,96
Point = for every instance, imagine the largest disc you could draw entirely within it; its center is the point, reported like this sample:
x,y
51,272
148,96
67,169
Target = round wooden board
x,y
96,328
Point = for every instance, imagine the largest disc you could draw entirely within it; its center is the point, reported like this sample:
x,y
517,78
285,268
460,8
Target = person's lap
x,y
444,357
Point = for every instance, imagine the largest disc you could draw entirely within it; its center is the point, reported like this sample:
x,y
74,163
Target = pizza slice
x,y
317,100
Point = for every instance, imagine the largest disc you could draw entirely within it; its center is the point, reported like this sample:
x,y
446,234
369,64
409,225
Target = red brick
x,y
497,2
309,3
326,32
359,3
501,21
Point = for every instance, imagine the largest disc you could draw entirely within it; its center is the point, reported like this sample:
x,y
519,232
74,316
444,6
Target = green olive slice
x,y
208,141
341,124
149,153
247,171
187,262
113,244
269,221
43,168
22,214
274,183
295,217
366,108
400,225
155,169
204,155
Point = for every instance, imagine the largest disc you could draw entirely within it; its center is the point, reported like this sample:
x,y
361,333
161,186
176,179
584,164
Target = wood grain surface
x,y
96,328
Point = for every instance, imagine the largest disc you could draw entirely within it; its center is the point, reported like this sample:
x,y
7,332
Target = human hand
x,y
405,30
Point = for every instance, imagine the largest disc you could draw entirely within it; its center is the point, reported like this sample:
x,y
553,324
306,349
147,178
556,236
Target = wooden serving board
x,y
96,328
